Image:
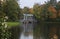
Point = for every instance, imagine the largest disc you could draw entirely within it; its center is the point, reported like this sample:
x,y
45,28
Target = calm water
x,y
36,31
39,31
27,31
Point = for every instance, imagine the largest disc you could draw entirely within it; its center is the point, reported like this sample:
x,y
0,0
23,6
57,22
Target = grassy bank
x,y
14,29
11,24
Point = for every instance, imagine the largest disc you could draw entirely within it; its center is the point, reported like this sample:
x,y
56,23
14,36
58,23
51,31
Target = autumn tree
x,y
58,10
48,12
44,12
31,10
53,12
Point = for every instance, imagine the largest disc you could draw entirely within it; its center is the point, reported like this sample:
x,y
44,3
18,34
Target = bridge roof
x,y
28,14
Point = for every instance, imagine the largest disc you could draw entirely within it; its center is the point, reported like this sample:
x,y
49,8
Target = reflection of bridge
x,y
27,22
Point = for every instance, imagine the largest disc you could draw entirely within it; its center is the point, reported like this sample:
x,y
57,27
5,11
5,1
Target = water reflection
x,y
27,32
36,31
26,36
40,31
15,31
31,31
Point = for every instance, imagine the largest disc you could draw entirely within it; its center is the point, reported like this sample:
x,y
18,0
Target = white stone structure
x,y
28,17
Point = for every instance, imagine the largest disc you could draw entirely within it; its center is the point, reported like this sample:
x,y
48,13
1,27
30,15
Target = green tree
x,y
37,10
1,9
25,10
44,13
12,10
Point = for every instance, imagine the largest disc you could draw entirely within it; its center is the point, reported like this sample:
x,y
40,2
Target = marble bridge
x,y
28,22
28,18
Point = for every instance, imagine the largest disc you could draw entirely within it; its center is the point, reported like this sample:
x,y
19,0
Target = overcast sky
x,y
30,3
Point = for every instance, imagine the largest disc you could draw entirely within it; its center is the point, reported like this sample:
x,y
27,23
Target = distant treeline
x,y
48,11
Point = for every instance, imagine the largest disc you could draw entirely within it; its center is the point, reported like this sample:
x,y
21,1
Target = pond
x,y
37,31
30,31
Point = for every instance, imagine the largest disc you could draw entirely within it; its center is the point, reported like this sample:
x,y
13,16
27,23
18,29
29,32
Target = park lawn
x,y
10,24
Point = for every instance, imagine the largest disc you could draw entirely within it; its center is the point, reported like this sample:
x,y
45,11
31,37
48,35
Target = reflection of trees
x,y
36,32
15,32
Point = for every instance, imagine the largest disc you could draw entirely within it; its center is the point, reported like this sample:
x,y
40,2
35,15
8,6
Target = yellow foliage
x,y
52,9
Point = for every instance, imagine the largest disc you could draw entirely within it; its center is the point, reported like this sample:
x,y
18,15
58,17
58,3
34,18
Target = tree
x,y
25,10
44,12
37,10
12,9
2,14
58,9
53,11
31,11
48,12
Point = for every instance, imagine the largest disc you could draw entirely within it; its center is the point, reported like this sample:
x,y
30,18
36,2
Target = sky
x,y
30,3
